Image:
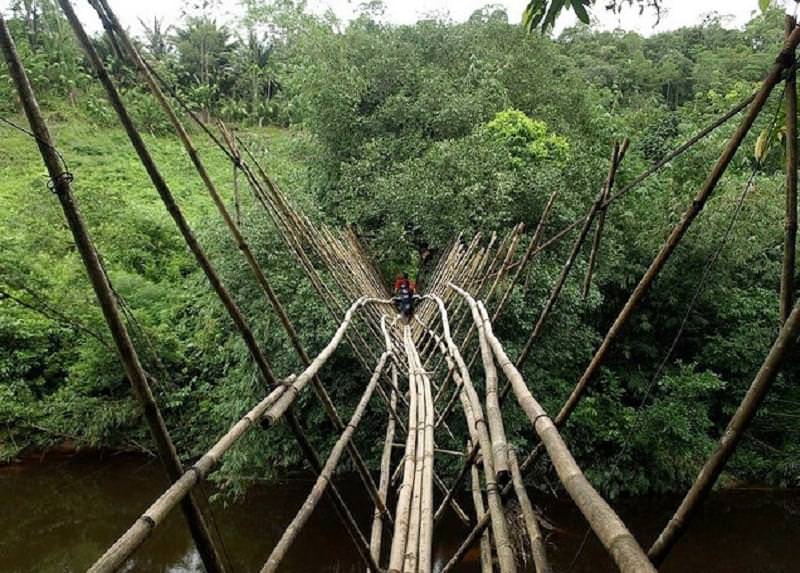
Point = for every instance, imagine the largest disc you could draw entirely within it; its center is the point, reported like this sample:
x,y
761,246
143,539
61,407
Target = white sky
x,y
677,13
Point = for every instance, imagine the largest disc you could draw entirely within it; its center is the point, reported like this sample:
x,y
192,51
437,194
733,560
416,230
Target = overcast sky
x,y
677,13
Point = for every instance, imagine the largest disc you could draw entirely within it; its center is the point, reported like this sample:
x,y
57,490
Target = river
x,y
60,515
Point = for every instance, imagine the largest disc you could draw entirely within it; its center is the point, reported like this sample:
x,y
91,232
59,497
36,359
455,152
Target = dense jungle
x,y
410,135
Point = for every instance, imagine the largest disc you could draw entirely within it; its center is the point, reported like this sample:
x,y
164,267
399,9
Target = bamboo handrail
x,y
609,528
271,409
116,555
493,412
286,399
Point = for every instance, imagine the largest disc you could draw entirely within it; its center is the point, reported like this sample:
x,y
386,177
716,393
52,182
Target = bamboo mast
x,y
164,192
616,160
268,378
790,237
703,484
555,292
708,187
103,291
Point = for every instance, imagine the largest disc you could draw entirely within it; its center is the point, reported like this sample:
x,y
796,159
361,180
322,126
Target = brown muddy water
x,y
57,516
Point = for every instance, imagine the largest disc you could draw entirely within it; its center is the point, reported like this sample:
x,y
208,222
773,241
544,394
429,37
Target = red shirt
x,y
398,284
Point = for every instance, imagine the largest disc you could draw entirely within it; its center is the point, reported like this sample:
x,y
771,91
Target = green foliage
x,y
413,134
542,14
526,139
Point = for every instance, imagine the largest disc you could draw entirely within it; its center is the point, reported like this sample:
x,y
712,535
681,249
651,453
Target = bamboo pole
x,y
164,192
376,536
532,248
105,13
277,211
237,200
790,236
682,227
609,528
418,557
655,168
498,276
703,484
538,550
477,530
616,160
105,296
478,271
325,477
480,511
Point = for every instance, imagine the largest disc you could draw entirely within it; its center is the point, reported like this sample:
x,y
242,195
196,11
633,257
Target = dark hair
x,y
405,275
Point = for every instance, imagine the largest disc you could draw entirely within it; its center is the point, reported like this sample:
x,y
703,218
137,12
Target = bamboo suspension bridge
x,y
421,370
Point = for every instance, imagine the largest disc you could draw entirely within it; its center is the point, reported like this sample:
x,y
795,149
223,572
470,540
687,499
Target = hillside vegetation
x,y
412,134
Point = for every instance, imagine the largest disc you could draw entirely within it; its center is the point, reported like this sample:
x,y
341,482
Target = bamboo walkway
x,y
444,369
